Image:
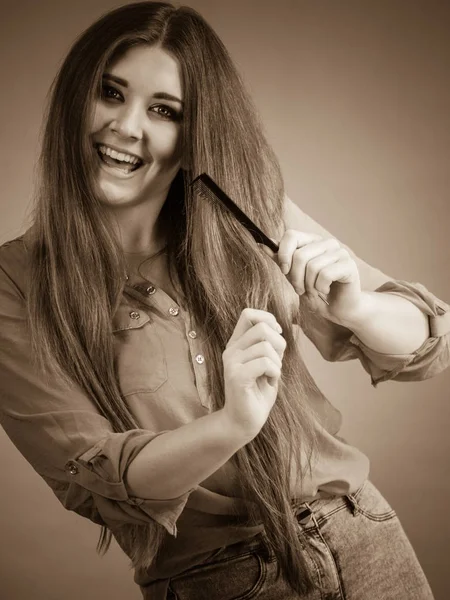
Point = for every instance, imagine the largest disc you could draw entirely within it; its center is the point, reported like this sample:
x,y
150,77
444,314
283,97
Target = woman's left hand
x,y
314,266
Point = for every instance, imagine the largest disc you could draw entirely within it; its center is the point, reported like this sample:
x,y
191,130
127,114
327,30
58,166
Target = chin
x,y
109,199
110,195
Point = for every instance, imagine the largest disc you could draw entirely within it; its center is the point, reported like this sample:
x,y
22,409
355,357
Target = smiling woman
x,y
149,360
136,135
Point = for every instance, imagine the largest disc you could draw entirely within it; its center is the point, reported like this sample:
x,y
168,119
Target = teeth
x,y
133,160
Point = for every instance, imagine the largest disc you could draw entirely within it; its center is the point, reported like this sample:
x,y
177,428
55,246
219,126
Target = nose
x,y
128,123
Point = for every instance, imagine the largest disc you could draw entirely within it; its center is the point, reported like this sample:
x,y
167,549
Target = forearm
x,y
176,461
389,324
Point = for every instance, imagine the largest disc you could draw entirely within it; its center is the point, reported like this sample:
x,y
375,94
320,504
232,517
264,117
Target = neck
x,y
143,265
139,227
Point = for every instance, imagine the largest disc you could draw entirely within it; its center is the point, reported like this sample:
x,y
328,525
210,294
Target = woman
x,y
149,365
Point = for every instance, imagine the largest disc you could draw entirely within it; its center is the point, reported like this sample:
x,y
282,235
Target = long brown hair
x,y
78,264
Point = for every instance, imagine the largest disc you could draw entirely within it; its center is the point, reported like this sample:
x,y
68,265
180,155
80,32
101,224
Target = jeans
x,y
356,550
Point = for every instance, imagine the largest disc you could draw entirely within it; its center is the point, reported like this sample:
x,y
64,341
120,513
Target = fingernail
x,y
284,268
279,329
322,297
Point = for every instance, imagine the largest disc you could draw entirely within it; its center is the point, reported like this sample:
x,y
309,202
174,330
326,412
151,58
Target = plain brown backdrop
x,y
355,97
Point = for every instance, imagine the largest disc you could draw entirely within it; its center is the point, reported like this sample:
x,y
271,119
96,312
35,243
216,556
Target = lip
x,y
117,173
122,150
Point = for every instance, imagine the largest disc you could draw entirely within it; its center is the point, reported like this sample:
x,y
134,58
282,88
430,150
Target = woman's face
x,y
136,126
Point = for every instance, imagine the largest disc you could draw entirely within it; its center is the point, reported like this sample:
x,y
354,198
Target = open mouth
x,y
125,163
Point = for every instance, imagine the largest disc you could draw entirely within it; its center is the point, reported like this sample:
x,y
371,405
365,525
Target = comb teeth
x,y
201,190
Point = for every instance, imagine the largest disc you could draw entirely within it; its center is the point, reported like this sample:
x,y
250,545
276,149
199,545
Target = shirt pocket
x,y
140,358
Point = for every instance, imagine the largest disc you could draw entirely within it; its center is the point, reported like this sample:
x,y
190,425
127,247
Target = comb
x,y
207,188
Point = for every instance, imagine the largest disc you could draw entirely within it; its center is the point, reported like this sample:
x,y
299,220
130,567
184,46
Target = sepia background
x,y
355,96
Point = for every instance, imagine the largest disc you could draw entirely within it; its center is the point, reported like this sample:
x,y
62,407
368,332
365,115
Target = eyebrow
x,y
158,95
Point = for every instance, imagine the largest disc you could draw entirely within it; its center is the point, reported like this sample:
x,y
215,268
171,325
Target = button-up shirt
x,y
162,374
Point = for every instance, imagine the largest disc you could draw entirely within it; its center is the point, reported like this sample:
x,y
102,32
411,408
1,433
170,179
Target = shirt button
x,y
192,334
200,359
150,290
135,315
72,468
173,310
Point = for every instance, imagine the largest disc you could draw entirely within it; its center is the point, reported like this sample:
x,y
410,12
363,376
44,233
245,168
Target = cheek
x,y
168,144
99,117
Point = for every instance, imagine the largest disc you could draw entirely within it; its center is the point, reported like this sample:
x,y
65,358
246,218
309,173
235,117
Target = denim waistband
x,y
323,508
308,514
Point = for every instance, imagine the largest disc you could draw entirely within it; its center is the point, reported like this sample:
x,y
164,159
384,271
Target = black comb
x,y
205,187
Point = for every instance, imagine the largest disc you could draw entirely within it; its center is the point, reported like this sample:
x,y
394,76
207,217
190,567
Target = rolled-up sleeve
x,y
430,359
61,433
337,343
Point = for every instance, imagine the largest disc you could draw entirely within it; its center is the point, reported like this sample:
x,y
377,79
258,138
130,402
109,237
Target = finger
x,y
260,350
315,266
343,271
301,258
260,367
290,242
260,332
248,318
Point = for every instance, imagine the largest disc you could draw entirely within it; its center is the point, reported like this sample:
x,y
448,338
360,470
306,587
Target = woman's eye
x,y
166,112
110,93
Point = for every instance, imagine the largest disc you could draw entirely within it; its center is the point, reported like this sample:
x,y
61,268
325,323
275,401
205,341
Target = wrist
x,y
361,312
238,433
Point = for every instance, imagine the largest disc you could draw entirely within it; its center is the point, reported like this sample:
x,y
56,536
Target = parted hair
x,y
78,265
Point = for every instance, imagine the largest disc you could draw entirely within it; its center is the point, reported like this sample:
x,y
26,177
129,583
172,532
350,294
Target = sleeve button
x,y
135,315
173,310
150,290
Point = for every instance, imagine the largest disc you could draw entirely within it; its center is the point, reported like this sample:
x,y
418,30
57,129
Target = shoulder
x,y
14,262
295,218
291,210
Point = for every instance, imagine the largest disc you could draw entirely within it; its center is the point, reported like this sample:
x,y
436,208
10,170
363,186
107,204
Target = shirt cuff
x,y
431,358
100,471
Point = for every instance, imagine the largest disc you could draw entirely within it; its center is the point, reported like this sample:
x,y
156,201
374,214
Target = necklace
x,y
138,272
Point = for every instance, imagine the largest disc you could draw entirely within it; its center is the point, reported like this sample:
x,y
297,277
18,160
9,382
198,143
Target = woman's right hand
x,y
252,363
